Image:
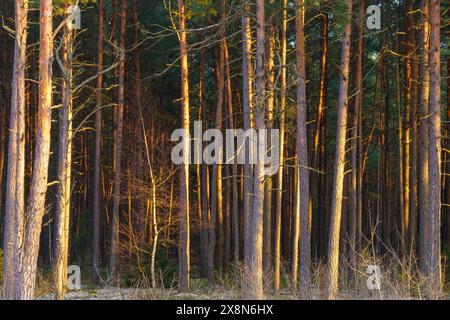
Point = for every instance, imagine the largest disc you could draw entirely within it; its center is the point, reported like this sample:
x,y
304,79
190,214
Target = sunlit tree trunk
x,y
184,244
338,182
279,192
247,105
411,108
270,85
447,181
64,163
407,127
205,180
14,208
319,233
254,259
424,135
36,205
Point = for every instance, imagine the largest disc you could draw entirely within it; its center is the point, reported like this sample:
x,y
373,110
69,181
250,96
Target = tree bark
x,y
115,226
254,259
434,225
64,164
14,207
36,205
247,105
279,192
184,244
355,178
423,180
98,143
338,183
270,85
302,149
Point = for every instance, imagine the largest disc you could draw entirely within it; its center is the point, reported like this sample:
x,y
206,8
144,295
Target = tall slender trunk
x,y
270,87
64,164
338,183
184,244
36,205
279,192
302,150
98,143
234,170
319,180
247,104
202,174
254,259
205,188
424,135
411,101
115,226
408,101
14,208
4,105
355,179
401,203
434,225
447,181
216,249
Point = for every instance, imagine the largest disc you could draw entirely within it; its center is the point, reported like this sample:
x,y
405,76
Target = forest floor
x,y
115,293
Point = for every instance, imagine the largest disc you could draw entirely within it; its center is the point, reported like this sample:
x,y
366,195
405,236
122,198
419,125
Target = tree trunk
x,y
184,244
205,188
270,87
115,226
319,145
411,107
302,149
424,136
36,205
64,164
234,171
447,181
254,259
98,144
338,183
247,104
434,225
14,208
279,192
355,178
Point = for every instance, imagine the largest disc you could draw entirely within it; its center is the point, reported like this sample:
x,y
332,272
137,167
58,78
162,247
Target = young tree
x,y
338,181
184,245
